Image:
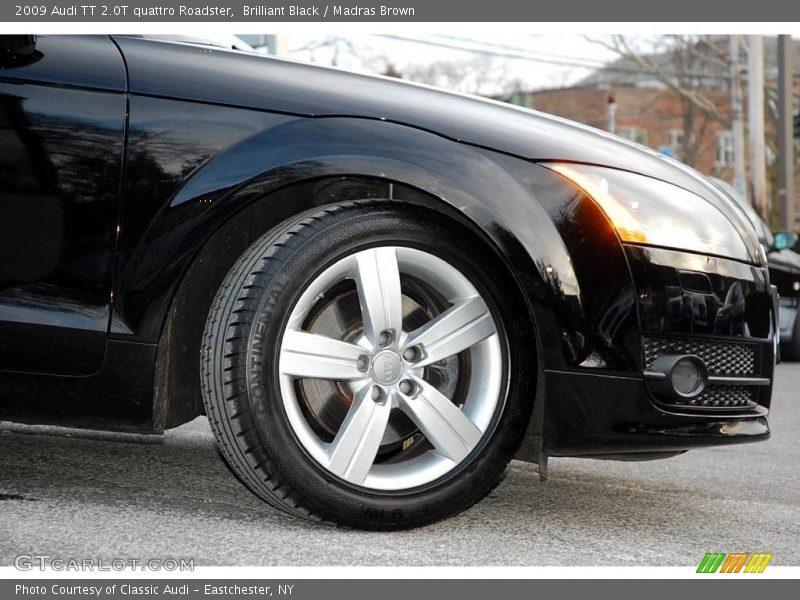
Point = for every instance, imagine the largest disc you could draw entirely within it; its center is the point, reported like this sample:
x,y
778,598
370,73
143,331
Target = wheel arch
x,y
209,222
176,394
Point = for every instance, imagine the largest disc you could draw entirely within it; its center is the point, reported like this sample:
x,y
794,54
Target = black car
x,y
784,272
379,293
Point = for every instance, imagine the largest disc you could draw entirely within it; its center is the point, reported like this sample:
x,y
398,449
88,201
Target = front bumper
x,y
608,415
718,309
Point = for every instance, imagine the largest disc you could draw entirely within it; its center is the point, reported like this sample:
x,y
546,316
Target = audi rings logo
x,y
387,367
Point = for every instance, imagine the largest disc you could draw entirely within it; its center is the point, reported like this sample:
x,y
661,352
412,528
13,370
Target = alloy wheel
x,y
390,368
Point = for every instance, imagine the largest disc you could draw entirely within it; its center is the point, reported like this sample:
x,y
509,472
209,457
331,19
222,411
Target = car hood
x,y
176,70
232,78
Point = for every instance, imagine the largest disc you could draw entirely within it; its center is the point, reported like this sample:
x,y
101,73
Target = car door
x,y
62,127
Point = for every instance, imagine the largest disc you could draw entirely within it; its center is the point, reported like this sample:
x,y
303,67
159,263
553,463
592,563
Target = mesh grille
x,y
720,396
721,358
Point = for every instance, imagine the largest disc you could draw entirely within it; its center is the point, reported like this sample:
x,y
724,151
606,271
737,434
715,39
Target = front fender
x,y
247,156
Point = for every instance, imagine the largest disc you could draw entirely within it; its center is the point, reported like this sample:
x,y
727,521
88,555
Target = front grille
x,y
721,358
730,359
719,396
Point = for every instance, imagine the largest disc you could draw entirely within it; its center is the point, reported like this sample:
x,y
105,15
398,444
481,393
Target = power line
x,y
553,59
589,62
519,55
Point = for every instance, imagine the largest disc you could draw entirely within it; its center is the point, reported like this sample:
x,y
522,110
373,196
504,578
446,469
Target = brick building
x,y
649,116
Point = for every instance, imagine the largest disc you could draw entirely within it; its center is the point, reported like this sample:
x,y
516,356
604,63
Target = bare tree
x,y
340,51
480,75
693,67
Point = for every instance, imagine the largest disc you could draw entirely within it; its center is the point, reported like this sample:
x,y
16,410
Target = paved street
x,y
76,498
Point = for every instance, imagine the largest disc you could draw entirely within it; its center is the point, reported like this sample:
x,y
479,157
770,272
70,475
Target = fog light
x,y
677,379
688,377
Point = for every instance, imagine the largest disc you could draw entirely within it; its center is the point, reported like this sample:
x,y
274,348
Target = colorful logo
x,y
734,562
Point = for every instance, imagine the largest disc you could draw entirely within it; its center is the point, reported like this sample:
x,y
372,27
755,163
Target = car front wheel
x,y
357,367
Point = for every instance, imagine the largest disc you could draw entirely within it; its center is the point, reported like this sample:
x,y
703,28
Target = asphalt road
x,y
76,498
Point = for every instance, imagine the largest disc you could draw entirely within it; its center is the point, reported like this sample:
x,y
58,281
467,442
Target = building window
x,y
724,148
634,134
676,139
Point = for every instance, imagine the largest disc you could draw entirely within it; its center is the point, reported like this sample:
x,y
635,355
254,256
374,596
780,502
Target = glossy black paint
x,y
75,61
168,215
221,146
737,303
598,322
60,178
602,415
279,151
301,89
118,397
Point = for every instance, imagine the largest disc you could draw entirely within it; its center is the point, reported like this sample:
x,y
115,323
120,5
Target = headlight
x,y
648,211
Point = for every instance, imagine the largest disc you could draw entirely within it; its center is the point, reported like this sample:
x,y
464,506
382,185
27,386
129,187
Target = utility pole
x,y
612,114
755,105
786,132
737,117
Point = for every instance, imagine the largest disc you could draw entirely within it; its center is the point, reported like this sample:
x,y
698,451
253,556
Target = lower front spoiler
x,y
595,414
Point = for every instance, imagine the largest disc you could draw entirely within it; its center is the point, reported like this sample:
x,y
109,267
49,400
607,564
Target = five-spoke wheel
x,y
385,366
356,366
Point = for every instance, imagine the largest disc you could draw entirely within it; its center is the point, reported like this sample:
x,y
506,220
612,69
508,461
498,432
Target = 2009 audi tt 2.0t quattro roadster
x,y
378,293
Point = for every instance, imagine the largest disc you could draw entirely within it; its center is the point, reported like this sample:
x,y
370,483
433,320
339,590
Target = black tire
x,y
250,423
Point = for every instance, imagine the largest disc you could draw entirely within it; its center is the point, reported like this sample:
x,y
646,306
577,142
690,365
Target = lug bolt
x,y
385,338
377,394
362,364
407,387
412,354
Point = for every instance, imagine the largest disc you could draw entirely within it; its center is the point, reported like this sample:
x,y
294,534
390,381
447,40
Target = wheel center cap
x,y
387,367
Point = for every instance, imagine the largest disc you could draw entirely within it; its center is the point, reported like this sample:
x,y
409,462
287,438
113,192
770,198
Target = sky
x,y
529,61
